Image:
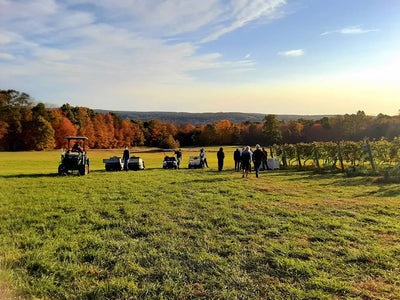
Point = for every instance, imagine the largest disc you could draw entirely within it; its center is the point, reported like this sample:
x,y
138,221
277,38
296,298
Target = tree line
x,y
26,125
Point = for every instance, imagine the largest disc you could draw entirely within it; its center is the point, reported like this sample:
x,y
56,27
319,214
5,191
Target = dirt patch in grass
x,y
281,190
6,291
389,240
376,289
294,206
271,189
303,240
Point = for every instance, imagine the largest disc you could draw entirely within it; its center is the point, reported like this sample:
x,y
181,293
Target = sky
x,y
260,56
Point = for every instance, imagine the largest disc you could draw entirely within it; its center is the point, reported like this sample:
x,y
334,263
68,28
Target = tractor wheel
x,y
62,170
82,169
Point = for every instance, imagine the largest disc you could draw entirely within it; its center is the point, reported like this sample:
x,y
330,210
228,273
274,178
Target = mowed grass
x,y
187,234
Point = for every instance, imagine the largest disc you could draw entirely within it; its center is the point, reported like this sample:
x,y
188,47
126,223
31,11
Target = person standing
x,y
265,161
236,157
178,157
246,161
220,157
203,158
125,158
258,158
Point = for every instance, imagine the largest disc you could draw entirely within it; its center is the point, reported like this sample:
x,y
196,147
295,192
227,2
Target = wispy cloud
x,y
93,48
350,30
292,53
6,56
243,12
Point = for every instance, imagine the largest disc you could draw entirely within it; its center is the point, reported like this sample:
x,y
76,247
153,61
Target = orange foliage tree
x,y
103,131
85,124
62,127
224,132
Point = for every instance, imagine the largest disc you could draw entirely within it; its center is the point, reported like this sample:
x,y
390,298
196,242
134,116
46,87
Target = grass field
x,y
187,234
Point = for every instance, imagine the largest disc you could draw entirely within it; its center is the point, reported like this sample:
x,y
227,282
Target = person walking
x,y
125,158
237,157
178,157
220,157
246,161
258,158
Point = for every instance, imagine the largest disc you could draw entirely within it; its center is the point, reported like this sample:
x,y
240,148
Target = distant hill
x,y
203,118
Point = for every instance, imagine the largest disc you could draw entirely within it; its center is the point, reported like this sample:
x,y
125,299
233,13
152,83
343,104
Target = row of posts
x,y
366,147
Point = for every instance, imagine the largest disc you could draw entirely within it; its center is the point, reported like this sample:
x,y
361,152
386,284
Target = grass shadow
x,y
209,180
335,179
39,175
389,191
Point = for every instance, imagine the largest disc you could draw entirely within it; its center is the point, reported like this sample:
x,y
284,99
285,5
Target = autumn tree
x,y
208,136
156,131
62,127
292,132
136,134
185,134
224,132
103,131
84,120
169,143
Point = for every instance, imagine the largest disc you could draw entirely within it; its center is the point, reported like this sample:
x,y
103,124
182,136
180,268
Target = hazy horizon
x,y
293,57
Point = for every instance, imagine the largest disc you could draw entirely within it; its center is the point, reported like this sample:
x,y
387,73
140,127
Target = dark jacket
x,y
178,154
126,155
237,154
246,157
220,155
265,153
258,155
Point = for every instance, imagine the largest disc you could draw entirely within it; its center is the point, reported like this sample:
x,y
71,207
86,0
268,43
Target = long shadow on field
x,y
294,175
209,180
338,180
384,191
30,175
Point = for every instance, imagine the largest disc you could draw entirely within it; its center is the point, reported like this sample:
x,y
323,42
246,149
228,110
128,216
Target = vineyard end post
x,y
340,156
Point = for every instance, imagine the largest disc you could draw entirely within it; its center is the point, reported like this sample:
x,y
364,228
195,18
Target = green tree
x,y
208,135
272,133
41,135
14,111
169,143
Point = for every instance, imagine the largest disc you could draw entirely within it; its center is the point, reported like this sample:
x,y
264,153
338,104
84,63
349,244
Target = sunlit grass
x,y
193,233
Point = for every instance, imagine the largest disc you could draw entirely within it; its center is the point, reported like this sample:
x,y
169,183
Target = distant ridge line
x,y
203,118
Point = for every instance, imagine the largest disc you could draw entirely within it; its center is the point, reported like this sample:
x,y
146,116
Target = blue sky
x,y
267,56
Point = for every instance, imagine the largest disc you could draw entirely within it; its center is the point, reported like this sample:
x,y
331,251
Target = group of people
x,y
243,159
